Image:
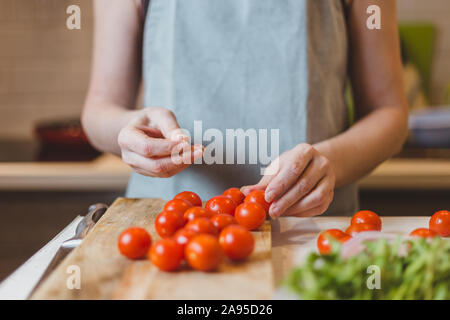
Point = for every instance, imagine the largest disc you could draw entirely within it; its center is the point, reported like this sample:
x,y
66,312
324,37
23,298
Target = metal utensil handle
x,y
96,211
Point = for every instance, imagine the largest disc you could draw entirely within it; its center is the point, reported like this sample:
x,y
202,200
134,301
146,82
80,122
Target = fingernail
x,y
268,196
181,137
184,143
244,190
199,147
183,146
273,211
198,152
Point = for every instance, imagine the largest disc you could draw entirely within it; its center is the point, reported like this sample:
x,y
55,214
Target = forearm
x,y
102,122
372,140
115,72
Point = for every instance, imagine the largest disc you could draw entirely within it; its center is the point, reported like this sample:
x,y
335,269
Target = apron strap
x,y
145,4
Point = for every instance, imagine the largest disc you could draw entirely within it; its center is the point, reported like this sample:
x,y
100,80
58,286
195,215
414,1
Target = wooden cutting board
x,y
105,274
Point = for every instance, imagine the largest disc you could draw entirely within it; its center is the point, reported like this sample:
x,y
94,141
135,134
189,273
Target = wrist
x,y
327,149
102,123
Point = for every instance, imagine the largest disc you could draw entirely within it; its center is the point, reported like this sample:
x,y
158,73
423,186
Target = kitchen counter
x,y
107,173
409,174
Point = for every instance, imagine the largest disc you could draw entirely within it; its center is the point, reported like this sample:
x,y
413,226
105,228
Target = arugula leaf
x,y
423,273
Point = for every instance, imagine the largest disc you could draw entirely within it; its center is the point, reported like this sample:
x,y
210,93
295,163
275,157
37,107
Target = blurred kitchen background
x,y
49,173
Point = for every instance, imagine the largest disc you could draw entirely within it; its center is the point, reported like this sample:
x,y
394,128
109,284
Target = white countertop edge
x,y
21,282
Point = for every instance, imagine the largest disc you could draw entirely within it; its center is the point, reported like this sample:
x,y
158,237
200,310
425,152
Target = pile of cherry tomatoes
x,y
201,236
366,220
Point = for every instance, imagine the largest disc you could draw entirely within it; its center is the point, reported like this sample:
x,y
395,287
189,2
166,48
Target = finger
x,y
150,131
166,122
319,195
320,209
261,185
160,167
142,172
135,140
313,212
314,172
186,153
310,179
269,174
289,173
296,193
167,166
183,161
151,174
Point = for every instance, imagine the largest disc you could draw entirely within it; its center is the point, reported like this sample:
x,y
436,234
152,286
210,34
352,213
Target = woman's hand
x,y
154,145
300,182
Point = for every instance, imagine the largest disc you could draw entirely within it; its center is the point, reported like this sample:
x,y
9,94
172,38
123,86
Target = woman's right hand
x,y
154,145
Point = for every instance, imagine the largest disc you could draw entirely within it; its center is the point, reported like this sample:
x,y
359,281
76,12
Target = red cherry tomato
x,y
190,197
237,242
323,241
220,204
423,233
203,252
440,223
202,225
250,215
222,220
234,194
168,222
134,243
360,227
178,205
368,217
183,236
166,254
345,238
196,212
257,196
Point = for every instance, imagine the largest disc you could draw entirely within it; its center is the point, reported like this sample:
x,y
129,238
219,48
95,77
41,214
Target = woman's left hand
x,y
300,182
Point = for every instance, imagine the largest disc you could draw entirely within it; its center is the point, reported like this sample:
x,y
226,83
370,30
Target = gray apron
x,y
262,64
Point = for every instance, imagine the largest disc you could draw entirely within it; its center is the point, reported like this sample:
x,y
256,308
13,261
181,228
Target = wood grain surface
x,y
105,274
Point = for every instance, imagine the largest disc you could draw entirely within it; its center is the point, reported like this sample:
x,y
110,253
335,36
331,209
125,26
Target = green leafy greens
x,y
423,272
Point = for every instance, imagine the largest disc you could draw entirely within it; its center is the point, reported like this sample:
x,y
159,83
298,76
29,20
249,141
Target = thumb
x,y
269,173
261,185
